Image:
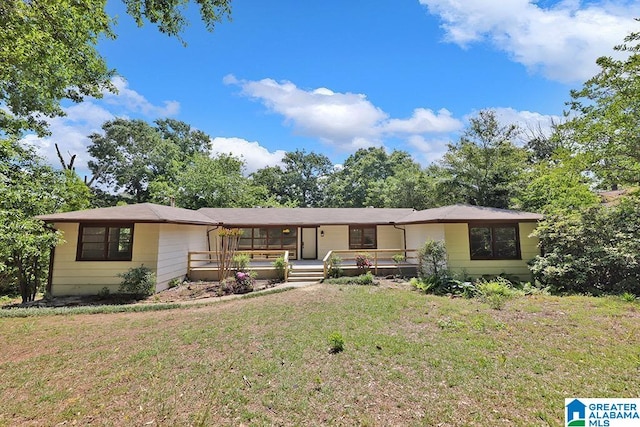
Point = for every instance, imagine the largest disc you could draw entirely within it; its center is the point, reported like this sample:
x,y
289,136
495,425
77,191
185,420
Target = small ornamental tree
x,y
229,238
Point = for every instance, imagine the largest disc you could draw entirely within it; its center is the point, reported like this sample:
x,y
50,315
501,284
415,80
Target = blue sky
x,y
333,76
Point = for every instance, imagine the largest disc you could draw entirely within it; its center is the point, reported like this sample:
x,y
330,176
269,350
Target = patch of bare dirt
x,y
190,291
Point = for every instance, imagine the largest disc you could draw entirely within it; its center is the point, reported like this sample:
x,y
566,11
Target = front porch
x,y
204,265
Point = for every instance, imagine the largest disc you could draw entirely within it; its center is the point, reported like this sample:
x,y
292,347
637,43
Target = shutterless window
x,y
271,238
105,242
500,241
362,237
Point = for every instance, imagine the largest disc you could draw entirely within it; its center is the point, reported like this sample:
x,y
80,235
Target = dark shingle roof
x,y
149,212
143,212
304,216
465,213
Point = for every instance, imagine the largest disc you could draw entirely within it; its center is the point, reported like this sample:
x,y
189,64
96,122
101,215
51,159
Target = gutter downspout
x,y
209,238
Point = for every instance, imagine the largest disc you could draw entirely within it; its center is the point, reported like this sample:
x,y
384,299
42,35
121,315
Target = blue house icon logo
x,y
576,414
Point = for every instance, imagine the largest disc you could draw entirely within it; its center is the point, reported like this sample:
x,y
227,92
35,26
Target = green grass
x,y
408,359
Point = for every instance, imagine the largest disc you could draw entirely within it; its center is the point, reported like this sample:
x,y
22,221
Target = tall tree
x,y
28,187
411,188
299,181
48,52
361,180
484,167
126,156
217,182
606,116
144,160
558,186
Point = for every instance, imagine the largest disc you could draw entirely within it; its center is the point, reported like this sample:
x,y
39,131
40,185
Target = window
x,y
494,241
105,242
362,237
272,238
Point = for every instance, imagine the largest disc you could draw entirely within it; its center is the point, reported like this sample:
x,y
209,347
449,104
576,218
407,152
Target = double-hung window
x,y
99,242
494,241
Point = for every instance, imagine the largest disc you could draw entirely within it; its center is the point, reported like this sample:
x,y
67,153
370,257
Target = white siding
x,y
175,241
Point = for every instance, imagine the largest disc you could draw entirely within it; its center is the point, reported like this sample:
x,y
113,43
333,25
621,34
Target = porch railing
x,y
379,258
208,260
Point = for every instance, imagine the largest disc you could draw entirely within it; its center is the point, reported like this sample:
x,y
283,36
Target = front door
x,y
309,243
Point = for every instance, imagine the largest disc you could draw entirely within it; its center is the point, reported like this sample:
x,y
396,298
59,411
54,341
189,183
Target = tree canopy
x,y
299,181
606,116
48,52
483,168
28,188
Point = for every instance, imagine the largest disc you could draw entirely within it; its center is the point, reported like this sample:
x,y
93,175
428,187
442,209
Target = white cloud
x,y
345,120
561,42
424,121
529,122
132,101
255,156
71,132
428,151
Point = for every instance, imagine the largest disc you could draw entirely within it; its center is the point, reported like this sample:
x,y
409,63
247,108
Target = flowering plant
x,y
363,262
244,282
244,278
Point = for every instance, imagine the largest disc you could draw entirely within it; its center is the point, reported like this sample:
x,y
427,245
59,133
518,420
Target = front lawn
x,y
408,359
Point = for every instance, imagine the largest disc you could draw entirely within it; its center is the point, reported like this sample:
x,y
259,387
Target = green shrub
x,y
241,261
432,259
335,266
443,285
363,279
628,297
280,265
398,259
336,343
175,282
138,281
104,293
591,251
495,292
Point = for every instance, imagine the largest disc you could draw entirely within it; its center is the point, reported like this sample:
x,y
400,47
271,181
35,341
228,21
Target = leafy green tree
x,y
28,188
126,156
606,116
217,183
270,178
485,166
302,175
299,181
412,187
144,160
555,186
361,181
49,52
593,250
